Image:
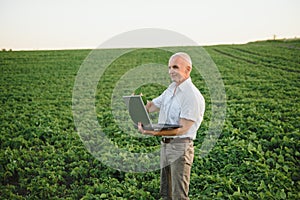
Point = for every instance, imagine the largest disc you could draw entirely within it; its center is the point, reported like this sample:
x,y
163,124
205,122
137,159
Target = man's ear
x,y
188,69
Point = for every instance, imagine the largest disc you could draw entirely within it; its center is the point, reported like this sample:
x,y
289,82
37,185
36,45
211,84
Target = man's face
x,y
178,70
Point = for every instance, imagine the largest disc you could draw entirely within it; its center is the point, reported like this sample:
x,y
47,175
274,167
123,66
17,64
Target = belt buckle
x,y
166,140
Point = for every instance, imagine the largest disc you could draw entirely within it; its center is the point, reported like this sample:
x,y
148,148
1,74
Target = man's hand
x,y
150,107
171,132
145,132
186,125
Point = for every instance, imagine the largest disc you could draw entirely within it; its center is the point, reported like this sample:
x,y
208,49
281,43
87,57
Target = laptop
x,y
138,113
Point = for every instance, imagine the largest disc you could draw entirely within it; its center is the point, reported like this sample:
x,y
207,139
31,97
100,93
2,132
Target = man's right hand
x,y
150,107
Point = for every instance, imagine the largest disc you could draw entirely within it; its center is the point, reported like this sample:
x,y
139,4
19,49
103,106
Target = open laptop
x,y
138,113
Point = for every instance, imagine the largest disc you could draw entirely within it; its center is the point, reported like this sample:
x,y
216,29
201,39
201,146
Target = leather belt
x,y
176,140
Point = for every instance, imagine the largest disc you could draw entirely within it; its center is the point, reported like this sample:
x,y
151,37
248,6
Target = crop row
x,y
42,156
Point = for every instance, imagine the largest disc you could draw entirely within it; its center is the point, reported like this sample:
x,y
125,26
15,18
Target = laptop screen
x,y
137,110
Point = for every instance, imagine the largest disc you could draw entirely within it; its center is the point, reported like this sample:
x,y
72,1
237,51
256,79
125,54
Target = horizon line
x,y
155,46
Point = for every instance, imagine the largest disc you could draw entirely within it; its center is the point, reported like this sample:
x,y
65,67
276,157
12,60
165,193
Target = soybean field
x,y
257,155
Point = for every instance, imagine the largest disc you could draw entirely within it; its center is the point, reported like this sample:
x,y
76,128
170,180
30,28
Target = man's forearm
x,y
186,124
150,107
172,132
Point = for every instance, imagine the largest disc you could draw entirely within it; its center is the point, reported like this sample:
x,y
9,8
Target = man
x,y
181,103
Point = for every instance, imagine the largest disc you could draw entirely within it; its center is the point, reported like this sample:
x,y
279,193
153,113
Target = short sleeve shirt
x,y
185,102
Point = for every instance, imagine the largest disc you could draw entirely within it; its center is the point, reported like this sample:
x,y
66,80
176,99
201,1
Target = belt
x,y
176,140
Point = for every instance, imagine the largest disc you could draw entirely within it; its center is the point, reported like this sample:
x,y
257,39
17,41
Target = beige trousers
x,y
176,161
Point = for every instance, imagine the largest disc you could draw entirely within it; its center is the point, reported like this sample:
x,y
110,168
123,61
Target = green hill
x,y
256,156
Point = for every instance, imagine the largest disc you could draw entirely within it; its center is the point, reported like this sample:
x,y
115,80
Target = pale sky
x,y
68,24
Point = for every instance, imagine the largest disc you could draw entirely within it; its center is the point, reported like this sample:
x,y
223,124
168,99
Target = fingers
x,y
145,132
140,128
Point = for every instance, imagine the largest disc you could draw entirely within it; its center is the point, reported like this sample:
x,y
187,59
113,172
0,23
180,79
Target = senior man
x,y
181,103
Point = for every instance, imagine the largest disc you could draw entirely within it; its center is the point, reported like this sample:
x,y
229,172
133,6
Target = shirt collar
x,y
184,84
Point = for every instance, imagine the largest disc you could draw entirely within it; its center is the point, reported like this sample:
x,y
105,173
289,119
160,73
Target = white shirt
x,y
187,102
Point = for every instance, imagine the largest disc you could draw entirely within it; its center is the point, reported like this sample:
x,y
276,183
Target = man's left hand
x,y
145,132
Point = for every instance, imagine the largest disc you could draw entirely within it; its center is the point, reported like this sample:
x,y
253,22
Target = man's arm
x,y
150,107
186,125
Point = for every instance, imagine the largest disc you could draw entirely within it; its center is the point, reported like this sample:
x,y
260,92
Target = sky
x,y
73,24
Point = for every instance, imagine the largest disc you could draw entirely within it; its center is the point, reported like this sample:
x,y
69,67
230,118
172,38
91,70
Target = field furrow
x,y
43,157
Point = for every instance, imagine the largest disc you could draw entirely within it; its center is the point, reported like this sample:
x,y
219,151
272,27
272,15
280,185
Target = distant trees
x,y
6,50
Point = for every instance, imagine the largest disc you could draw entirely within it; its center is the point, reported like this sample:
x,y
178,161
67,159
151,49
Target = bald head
x,y
183,56
180,67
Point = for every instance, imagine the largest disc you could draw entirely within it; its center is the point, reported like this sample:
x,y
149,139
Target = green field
x,y
257,156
